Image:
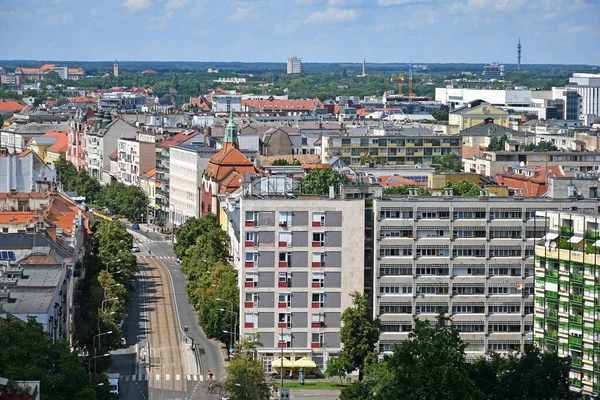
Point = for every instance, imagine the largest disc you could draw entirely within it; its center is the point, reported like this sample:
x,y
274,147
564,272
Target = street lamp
x,y
90,363
109,286
233,324
107,300
231,311
98,336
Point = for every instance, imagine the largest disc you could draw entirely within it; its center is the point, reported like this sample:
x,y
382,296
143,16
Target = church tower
x,y
116,69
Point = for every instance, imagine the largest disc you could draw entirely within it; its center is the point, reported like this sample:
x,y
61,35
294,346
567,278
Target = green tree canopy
x,y
26,353
318,181
245,376
403,190
440,115
188,233
359,332
541,146
448,163
281,161
463,188
430,364
497,143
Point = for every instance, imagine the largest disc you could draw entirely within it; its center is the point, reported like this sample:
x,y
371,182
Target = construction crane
x,y
399,79
410,83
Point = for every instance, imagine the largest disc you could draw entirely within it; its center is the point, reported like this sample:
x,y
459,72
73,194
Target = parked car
x,y
135,248
135,227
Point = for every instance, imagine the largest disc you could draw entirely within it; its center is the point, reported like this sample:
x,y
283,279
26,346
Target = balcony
x,y
249,304
318,244
576,298
319,324
566,231
249,325
317,264
249,264
285,284
250,224
284,325
315,345
551,335
592,235
576,319
283,345
576,341
282,304
576,277
285,244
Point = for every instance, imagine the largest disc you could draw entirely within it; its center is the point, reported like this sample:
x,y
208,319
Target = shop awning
x,y
305,362
575,239
286,363
551,236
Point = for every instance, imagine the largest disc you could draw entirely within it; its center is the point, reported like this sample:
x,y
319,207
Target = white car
x,y
135,248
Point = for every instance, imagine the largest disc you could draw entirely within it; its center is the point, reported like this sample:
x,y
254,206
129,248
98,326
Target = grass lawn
x,y
312,385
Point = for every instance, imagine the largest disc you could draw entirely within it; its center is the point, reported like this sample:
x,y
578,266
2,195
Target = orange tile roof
x,y
150,174
33,195
533,186
317,166
82,99
178,139
76,71
231,182
10,106
114,154
51,102
24,153
62,212
61,144
18,218
46,67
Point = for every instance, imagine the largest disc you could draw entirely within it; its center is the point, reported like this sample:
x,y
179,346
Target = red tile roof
x,y
18,218
150,174
46,67
227,167
114,155
61,144
10,106
82,99
62,212
24,153
178,139
317,166
534,185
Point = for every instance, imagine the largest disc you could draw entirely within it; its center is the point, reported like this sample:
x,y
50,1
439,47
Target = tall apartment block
x,y
567,294
470,257
299,260
294,65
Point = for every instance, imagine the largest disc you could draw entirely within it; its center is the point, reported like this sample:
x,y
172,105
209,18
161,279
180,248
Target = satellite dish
x,y
519,287
553,245
522,164
547,244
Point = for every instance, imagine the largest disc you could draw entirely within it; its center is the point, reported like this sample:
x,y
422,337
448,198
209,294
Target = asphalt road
x,y
162,296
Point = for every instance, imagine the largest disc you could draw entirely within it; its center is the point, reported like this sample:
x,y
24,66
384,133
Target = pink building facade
x,y
77,150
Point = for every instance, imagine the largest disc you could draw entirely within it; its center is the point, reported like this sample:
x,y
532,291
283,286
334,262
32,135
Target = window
x,y
504,346
468,252
318,260
432,271
251,259
284,279
514,214
396,214
432,289
268,364
432,252
433,214
284,259
318,239
468,290
284,300
405,233
464,327
251,218
251,239
396,328
395,252
469,214
395,309
318,300
385,270
505,308
497,234
431,308
318,219
505,252
284,340
318,340
285,218
505,328
468,309
251,320
285,320
285,239
251,300
469,234
251,279
383,290
317,320
318,279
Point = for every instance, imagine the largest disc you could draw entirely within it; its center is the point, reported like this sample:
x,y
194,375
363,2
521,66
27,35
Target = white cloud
x,y
135,5
346,3
4,13
57,19
577,28
388,3
160,22
176,4
243,14
500,5
332,16
306,3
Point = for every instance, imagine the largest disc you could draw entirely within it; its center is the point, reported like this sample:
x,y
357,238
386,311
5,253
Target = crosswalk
x,y
166,377
153,241
157,257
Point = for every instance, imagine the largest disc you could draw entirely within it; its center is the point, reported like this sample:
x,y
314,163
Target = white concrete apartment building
x,y
102,139
470,257
588,87
299,261
187,163
134,159
294,65
456,97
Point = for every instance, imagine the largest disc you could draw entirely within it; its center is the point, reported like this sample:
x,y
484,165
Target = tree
x,y
339,366
448,163
367,158
245,376
440,115
61,101
541,146
281,161
318,181
188,233
430,364
26,353
403,190
497,143
359,332
463,188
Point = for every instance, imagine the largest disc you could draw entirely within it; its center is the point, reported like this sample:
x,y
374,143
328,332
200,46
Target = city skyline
x,y
382,31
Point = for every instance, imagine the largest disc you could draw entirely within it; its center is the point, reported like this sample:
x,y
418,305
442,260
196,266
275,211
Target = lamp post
x,y
233,313
233,324
90,364
109,286
94,342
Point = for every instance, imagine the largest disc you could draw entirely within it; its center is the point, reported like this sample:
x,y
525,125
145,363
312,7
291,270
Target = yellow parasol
x,y
286,363
305,362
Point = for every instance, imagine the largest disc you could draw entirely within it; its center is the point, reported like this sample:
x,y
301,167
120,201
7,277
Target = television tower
x,y
519,54
364,68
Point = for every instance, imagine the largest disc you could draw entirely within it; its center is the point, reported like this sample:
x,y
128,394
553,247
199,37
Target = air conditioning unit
x,y
289,245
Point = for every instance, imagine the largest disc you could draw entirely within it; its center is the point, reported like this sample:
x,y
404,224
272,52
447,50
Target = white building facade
x,y
134,159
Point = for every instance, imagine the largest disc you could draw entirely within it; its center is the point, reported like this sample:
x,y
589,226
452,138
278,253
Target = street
x,y
159,363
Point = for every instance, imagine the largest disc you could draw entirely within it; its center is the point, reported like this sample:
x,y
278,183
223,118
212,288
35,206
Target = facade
x,y
135,159
121,102
493,71
148,186
299,260
294,65
392,147
475,113
226,103
102,139
588,88
38,74
470,257
186,165
25,172
567,294
456,97
16,136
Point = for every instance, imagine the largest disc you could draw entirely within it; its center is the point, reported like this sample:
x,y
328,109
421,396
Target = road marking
x,y
177,377
133,377
158,377
189,377
195,377
167,377
201,378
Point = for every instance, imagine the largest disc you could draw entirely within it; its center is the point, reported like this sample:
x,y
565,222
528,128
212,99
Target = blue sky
x,y
551,31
